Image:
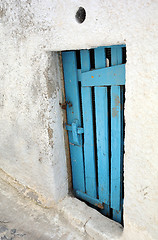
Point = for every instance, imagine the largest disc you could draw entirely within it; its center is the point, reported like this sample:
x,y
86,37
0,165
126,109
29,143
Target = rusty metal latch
x,y
76,131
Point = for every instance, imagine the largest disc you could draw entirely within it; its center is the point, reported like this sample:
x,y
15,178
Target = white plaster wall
x,y
31,137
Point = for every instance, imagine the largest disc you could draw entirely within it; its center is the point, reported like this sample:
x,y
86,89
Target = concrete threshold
x,y
89,220
86,221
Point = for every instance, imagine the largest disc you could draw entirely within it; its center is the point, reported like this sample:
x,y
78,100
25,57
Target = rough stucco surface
x,y
31,135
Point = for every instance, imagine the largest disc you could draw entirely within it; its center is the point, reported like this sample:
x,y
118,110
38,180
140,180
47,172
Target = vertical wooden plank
x,y
99,57
102,143
122,89
87,109
116,188
72,95
115,147
101,108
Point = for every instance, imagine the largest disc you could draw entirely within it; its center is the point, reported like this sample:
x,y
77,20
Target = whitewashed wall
x,y
31,134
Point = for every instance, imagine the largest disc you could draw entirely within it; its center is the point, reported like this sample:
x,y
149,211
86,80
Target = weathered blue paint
x,y
116,131
97,176
72,95
115,147
101,108
69,128
104,76
75,132
87,109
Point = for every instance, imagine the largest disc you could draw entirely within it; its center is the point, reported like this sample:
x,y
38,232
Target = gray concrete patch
x,y
21,219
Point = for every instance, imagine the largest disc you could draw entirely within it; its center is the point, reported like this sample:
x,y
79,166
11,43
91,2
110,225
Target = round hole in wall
x,y
80,15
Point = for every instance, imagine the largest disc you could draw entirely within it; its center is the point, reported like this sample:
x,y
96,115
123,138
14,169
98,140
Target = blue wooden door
x,y
94,89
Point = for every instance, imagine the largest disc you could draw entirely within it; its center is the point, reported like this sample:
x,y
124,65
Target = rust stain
x,y
99,205
117,100
117,211
71,143
63,106
115,109
114,112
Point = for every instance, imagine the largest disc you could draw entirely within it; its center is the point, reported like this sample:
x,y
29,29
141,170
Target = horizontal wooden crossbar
x,y
89,199
109,76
